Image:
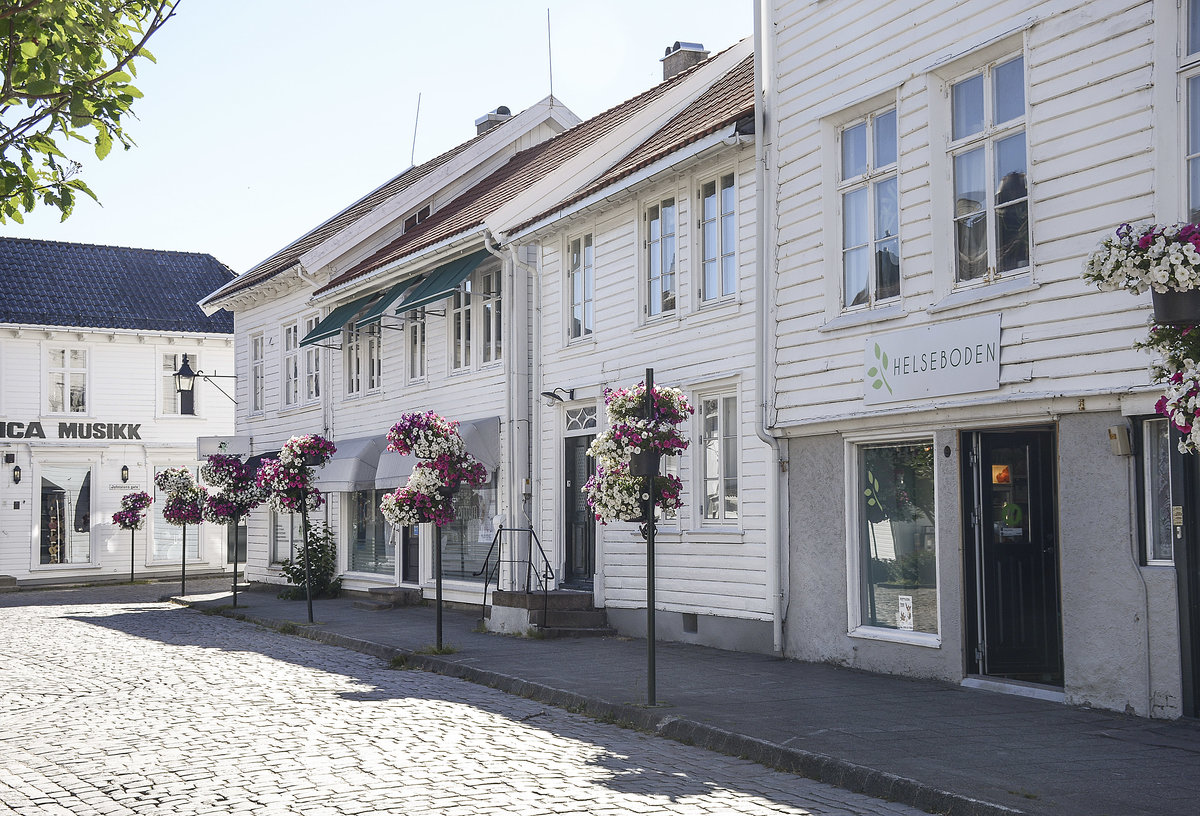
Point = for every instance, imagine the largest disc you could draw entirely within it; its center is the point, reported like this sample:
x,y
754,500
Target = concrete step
x,y
372,606
555,599
8,583
397,596
568,618
577,631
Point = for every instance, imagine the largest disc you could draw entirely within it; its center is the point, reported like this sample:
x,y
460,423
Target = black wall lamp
x,y
16,474
185,383
552,397
124,474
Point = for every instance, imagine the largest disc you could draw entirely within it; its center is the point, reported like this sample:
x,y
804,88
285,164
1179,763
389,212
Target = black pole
x,y
651,694
183,564
132,544
304,532
237,522
437,569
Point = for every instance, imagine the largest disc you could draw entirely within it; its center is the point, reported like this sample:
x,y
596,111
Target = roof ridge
x,y
26,239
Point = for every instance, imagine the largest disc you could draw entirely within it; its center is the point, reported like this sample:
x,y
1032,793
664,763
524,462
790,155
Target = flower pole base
x,y
1177,308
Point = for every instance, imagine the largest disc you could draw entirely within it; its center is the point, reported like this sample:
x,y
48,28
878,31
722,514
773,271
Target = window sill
x,y
863,317
979,293
715,311
924,639
58,567
580,345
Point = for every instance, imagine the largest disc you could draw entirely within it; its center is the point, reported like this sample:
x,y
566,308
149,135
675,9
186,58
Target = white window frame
x,y
1147,430
724,434
416,341
987,139
491,341
294,534
461,326
580,285
258,380
857,627
870,181
170,399
660,247
289,369
723,248
362,355
56,459
1188,65
312,364
66,371
154,518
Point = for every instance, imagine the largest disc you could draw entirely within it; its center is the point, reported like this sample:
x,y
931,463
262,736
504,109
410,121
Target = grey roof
x,y
53,283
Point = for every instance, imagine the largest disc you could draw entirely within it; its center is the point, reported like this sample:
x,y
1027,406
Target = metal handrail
x,y
544,575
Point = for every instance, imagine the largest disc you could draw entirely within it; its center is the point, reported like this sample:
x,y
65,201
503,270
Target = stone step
x,y
8,583
555,599
577,632
569,618
372,606
397,596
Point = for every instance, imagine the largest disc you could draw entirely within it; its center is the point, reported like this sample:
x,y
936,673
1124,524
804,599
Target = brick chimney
x,y
681,56
488,121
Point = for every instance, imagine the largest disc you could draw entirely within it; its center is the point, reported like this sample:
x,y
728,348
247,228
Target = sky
x,y
263,118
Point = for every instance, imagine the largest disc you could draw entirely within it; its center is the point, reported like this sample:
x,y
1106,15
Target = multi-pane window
x,y
67,375
286,535
312,364
718,238
168,538
363,358
416,218
1193,27
257,374
489,315
581,288
66,514
414,330
895,536
372,548
660,258
719,422
870,211
460,321
177,402
291,365
991,193
1156,484
1192,156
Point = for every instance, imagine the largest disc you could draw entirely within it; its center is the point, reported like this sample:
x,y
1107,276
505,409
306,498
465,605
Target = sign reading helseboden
x,y
954,357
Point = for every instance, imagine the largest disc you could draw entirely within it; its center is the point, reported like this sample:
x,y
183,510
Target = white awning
x,y
394,470
352,467
482,438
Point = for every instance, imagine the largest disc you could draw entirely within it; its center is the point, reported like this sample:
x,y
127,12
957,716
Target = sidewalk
x,y
932,745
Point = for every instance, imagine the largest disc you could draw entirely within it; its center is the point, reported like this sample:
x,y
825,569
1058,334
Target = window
x,y
372,548
312,364
1193,113
719,471
291,366
175,402
870,211
466,540
168,538
416,218
489,304
660,258
460,318
581,288
66,514
67,372
286,536
364,360
257,375
414,330
1156,491
895,536
991,195
718,238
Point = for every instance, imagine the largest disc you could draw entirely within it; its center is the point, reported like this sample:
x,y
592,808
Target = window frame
x,y
416,345
257,382
295,535
654,248
362,359
1142,430
289,365
722,399
720,218
580,263
66,370
312,365
1188,69
154,518
461,326
870,180
168,393
987,138
490,316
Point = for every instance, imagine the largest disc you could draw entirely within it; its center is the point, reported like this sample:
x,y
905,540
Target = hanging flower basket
x,y
1173,308
645,463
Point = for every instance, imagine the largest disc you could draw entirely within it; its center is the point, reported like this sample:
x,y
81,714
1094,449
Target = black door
x,y
1014,611
580,532
410,555
235,541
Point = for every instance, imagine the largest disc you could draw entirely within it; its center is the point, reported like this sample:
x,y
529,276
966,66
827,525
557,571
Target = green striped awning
x,y
390,298
442,282
333,322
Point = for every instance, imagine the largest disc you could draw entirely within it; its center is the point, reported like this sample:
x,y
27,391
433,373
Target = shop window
x,y
67,373
660,258
466,540
1156,491
718,238
581,288
719,458
167,541
869,192
991,192
286,536
372,548
897,553
66,514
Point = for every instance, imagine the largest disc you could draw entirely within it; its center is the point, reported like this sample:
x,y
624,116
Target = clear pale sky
x,y
263,118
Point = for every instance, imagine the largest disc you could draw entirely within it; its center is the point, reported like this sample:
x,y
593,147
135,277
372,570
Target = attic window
x,y
416,218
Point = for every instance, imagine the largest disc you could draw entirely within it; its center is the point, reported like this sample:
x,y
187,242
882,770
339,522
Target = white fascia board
x,y
421,259
215,302
596,159
669,163
496,141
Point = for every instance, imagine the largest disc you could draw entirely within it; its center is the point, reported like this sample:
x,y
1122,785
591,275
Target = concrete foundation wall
x,y
734,634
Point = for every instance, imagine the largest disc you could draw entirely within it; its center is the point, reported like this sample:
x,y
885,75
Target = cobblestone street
x,y
116,706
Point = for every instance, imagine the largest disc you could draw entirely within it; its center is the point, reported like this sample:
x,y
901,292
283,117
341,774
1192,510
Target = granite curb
x,y
820,767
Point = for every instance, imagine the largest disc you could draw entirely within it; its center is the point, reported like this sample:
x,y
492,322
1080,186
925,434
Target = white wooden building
x,y
991,504
90,338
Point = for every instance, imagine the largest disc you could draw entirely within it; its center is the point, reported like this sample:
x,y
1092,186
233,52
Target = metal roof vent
x,y
681,56
488,121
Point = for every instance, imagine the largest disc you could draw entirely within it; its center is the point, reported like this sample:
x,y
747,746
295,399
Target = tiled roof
x,y
53,283
472,208
727,101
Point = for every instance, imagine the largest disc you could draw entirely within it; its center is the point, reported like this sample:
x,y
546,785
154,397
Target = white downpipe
x,y
512,407
777,540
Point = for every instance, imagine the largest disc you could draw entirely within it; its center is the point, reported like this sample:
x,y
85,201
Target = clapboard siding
x,y
1091,136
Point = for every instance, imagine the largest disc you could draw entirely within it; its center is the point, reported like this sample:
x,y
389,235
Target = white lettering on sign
x,y
954,357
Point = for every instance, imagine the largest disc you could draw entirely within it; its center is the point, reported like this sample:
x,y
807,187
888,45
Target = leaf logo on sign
x,y
878,373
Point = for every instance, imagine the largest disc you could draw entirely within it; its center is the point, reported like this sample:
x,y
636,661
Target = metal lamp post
x,y
647,466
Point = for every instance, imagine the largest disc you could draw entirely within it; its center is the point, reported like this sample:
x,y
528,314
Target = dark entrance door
x,y
1013,604
580,527
410,555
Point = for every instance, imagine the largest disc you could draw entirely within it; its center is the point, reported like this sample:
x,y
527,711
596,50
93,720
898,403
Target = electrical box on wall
x,y
1118,440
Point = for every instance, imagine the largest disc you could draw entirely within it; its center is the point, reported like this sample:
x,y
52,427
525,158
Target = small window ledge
x,y
925,639
984,292
863,317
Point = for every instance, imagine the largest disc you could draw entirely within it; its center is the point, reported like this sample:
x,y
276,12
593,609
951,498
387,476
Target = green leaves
x,y
878,373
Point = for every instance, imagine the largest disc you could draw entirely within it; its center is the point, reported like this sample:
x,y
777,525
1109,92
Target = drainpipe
x,y
777,540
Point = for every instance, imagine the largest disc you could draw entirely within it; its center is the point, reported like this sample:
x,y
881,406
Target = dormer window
x,y
416,218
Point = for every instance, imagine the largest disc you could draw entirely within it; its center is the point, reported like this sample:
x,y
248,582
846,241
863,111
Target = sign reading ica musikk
x,y
71,430
956,357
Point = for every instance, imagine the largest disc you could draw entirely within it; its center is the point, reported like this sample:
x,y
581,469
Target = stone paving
x,y
112,702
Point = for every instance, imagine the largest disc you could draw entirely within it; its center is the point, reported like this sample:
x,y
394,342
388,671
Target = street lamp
x,y
185,378
185,383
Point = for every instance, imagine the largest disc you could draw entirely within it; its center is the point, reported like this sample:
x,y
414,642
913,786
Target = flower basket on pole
x,y
131,517
235,492
181,507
